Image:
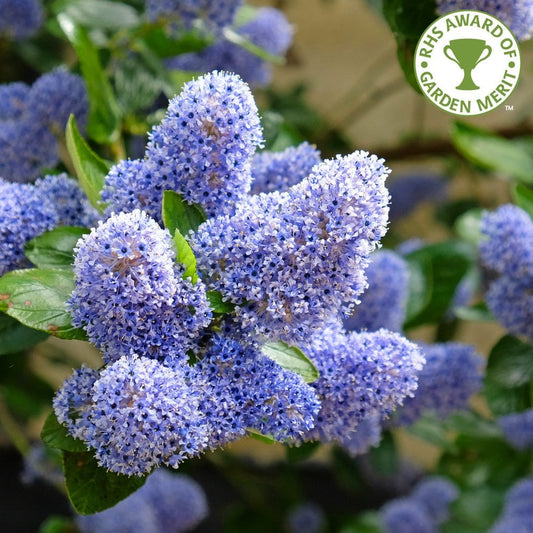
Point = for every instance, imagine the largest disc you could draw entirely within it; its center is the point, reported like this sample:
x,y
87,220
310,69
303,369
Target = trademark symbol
x,y
509,107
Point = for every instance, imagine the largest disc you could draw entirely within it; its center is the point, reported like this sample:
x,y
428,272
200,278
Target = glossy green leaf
x,y
55,435
16,337
55,248
165,46
90,168
523,198
291,358
504,156
185,256
104,112
100,14
217,304
37,298
179,215
510,362
92,489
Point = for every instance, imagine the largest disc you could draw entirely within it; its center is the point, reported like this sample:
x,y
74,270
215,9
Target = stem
x,y
10,426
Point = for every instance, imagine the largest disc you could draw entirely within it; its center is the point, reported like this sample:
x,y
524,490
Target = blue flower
x,y
516,14
20,18
517,514
130,296
13,97
406,516
306,518
435,494
367,434
518,429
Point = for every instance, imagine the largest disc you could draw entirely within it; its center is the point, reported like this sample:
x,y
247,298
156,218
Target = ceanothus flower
x,y
451,375
20,19
13,98
286,259
244,389
143,415
518,429
517,514
306,517
214,13
269,30
383,304
130,296
24,214
277,171
166,502
516,14
361,375
367,434
70,202
404,515
435,494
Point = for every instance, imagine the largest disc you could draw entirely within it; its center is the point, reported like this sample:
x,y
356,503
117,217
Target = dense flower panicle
x,y
306,518
278,171
451,375
214,13
244,389
55,96
20,19
166,502
70,202
24,214
287,259
202,148
361,375
383,304
406,516
408,192
516,14
143,415
518,429
13,98
517,514
367,434
130,296
269,30
435,494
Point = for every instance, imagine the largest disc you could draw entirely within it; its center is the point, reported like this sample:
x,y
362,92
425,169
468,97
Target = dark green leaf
x,y
468,226
295,454
478,507
259,436
55,435
185,256
510,362
179,215
430,429
523,197
164,46
504,401
90,168
367,522
471,424
55,249
507,157
104,113
100,14
92,489
384,458
291,358
217,304
15,337
37,298
58,524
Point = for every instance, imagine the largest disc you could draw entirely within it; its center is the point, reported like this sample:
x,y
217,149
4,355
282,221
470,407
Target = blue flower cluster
x,y
518,429
517,514
28,210
362,375
508,251
202,149
451,375
287,259
31,118
166,502
423,510
367,434
130,296
20,19
307,517
278,171
516,14
383,304
269,30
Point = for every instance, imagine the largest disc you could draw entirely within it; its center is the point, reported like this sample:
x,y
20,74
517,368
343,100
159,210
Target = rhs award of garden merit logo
x,y
467,62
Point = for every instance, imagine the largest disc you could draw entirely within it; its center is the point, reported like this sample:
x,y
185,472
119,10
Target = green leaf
x,y
236,38
510,362
477,313
55,435
15,337
92,489
259,436
164,46
523,198
367,522
179,215
55,249
37,298
435,271
428,428
57,524
90,168
185,256
217,303
504,401
291,358
384,458
99,14
104,112
508,157
468,226
478,507
295,454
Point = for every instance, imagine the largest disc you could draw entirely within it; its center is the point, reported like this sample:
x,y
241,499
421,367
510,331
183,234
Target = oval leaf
x,y
291,358
16,337
185,256
55,435
177,214
99,13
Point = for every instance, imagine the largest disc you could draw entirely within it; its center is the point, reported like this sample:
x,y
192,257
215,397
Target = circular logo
x,y
467,62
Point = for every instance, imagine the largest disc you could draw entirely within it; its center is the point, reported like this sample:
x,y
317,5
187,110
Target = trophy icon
x,y
467,53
